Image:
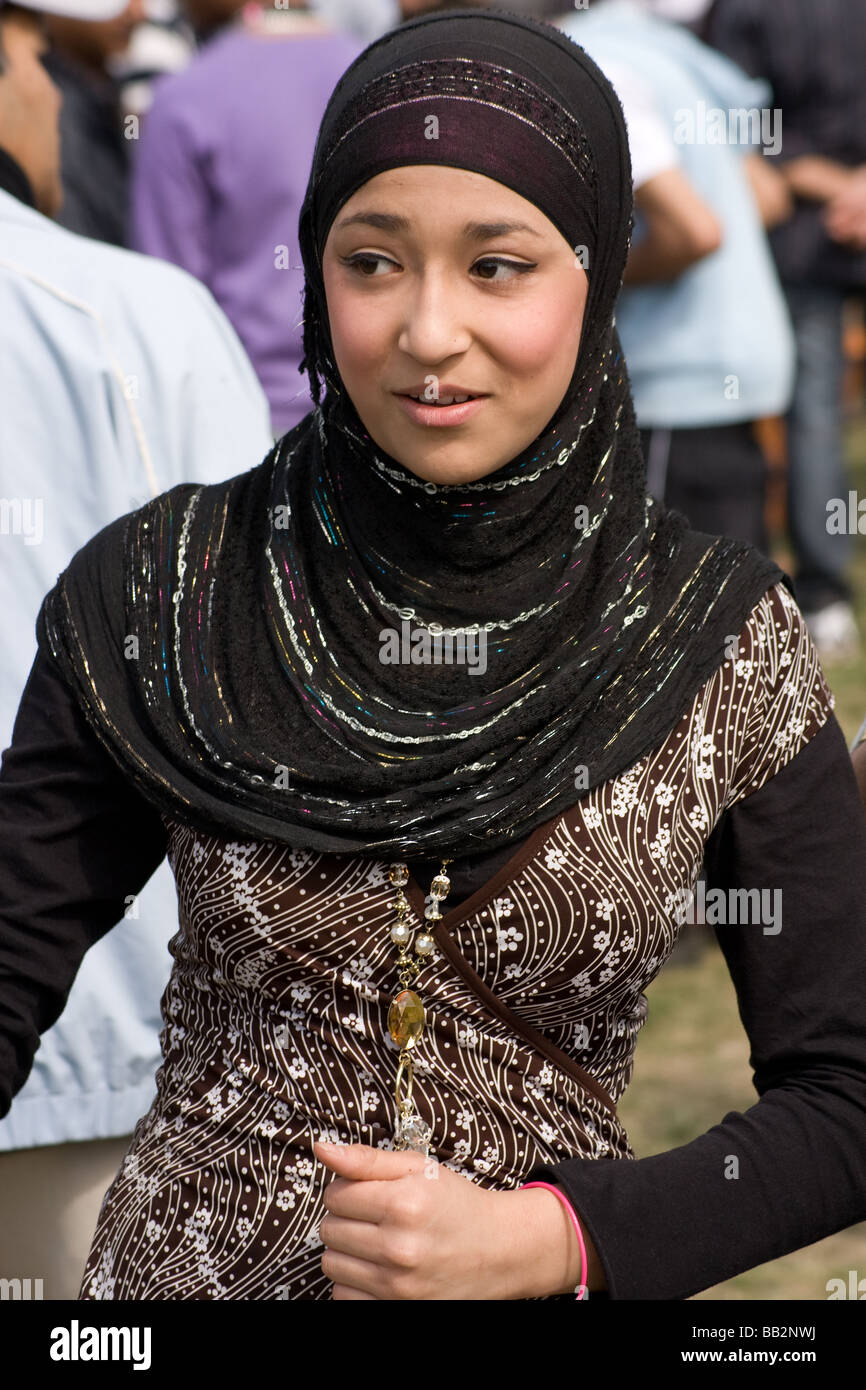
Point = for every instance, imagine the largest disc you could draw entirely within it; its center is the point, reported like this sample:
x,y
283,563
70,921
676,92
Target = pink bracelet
x,y
581,1290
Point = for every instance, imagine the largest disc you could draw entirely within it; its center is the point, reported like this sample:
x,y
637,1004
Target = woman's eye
x,y
362,259
365,263
518,267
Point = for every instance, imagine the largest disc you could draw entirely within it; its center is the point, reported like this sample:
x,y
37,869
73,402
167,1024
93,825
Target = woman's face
x,y
440,281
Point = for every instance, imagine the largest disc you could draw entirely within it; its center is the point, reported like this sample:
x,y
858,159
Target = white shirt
x,y
121,377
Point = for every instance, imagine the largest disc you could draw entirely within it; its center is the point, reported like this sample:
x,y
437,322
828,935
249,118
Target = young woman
x,y
437,715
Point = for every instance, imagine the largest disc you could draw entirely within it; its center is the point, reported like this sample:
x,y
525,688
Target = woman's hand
x,y
402,1226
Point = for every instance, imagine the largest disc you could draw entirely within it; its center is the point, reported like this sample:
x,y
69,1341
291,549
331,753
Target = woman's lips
x,y
424,414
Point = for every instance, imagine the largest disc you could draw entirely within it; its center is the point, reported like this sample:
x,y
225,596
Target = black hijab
x,y
256,700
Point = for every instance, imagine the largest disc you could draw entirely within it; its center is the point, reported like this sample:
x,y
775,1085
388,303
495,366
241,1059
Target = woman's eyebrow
x,y
395,222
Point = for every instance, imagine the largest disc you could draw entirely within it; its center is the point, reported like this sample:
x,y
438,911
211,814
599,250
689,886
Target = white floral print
x,y
508,938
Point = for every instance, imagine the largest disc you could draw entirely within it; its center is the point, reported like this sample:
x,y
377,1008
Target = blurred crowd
x,y
162,341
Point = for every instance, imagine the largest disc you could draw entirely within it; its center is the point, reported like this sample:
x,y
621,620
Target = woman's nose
x,y
435,324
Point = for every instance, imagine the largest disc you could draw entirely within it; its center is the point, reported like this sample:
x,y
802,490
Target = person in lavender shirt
x,y
221,169
223,160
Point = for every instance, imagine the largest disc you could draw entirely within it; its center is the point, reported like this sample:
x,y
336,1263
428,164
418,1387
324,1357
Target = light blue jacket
x,y
121,377
715,346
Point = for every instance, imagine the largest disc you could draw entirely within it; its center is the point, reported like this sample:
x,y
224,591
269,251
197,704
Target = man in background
x,y
121,378
702,317
814,57
94,150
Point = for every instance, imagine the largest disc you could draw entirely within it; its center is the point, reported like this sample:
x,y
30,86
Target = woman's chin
x,y
449,475
447,466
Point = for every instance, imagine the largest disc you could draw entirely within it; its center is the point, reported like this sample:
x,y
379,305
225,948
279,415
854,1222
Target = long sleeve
x,y
77,843
671,1225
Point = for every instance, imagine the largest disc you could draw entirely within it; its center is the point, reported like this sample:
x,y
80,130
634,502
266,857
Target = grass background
x,y
692,1058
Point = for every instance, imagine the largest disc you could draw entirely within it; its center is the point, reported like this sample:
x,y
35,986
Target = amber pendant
x,y
406,1018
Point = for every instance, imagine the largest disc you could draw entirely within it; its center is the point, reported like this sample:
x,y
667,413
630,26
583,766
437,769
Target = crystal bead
x,y
398,874
400,934
414,1133
424,943
441,886
432,913
406,1018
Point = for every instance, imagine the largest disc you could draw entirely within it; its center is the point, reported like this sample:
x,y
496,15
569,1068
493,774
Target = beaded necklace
x,y
406,1024
406,1015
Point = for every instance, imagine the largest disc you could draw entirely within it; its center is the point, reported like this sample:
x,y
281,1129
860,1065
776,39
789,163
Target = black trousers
x,y
716,475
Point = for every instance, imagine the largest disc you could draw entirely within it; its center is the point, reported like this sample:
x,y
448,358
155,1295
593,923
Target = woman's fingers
x,y
348,1237
361,1201
357,1278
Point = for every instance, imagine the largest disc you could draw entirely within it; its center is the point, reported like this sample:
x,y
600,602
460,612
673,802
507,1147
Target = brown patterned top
x,y
275,1015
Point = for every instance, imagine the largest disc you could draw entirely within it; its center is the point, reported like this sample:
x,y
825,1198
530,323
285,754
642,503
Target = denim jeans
x,y
816,465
